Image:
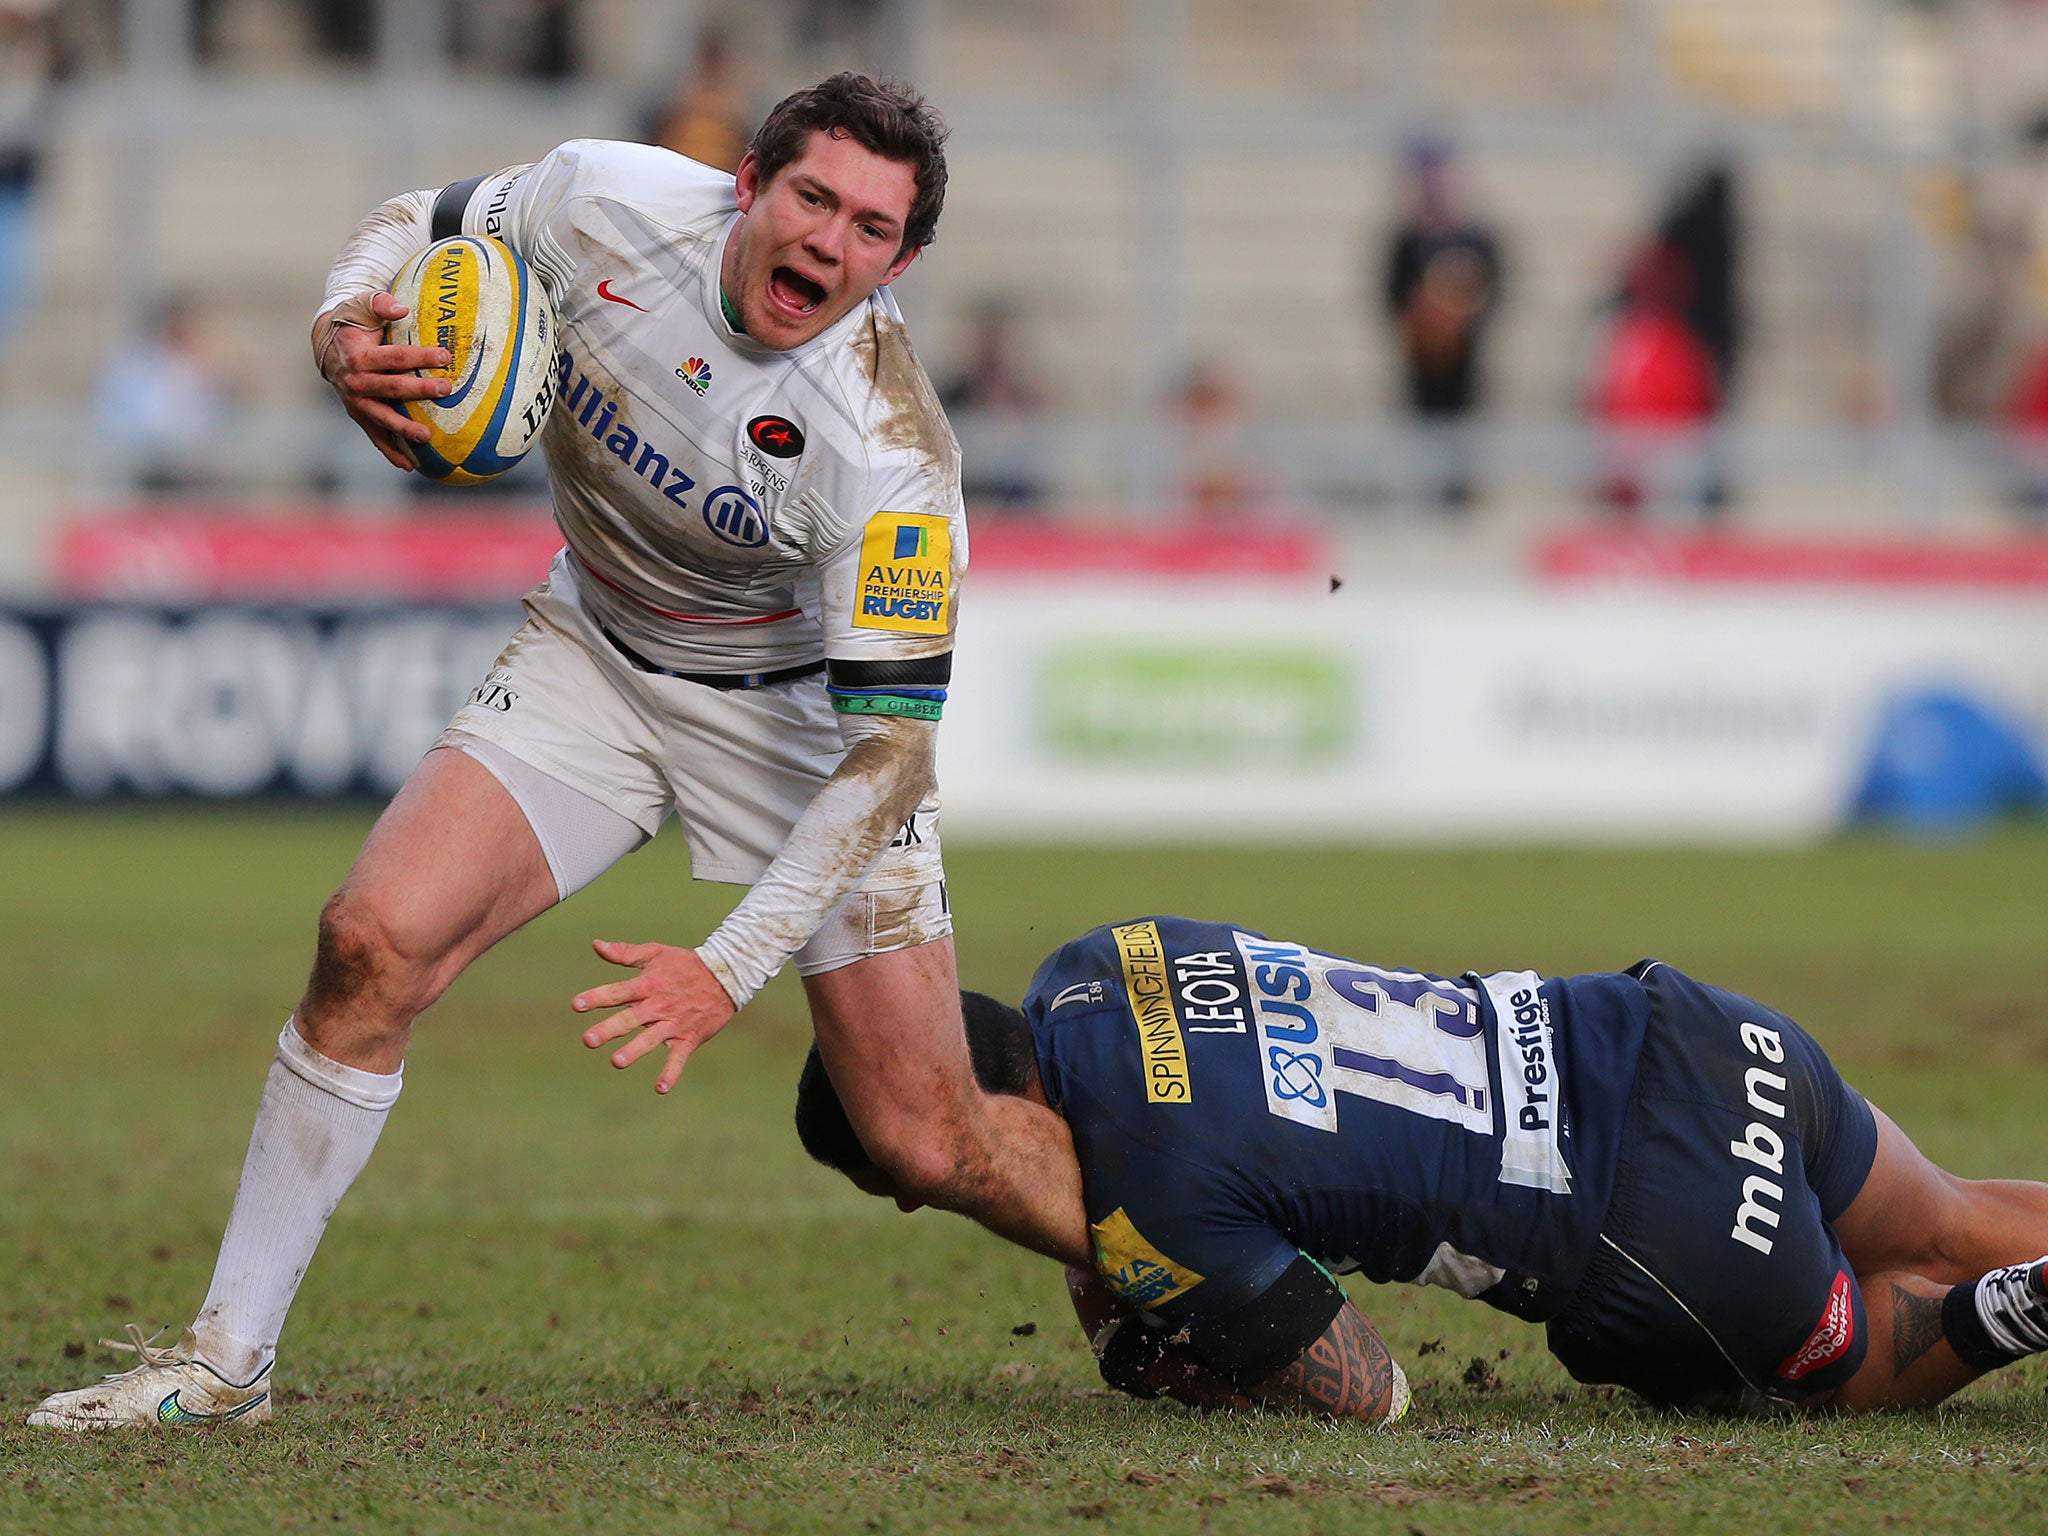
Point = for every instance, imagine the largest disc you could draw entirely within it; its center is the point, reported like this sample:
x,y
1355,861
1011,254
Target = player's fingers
x,y
386,307
613,994
610,1028
382,439
626,954
393,386
387,430
374,415
671,1074
650,1039
379,358
392,456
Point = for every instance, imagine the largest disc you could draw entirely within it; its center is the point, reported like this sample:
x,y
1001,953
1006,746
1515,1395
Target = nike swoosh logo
x,y
171,1411
604,291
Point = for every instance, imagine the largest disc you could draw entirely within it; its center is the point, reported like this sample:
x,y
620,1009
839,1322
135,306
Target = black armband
x,y
450,206
1265,1336
882,676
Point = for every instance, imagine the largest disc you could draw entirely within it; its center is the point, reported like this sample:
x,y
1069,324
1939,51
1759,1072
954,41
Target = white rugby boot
x,y
171,1386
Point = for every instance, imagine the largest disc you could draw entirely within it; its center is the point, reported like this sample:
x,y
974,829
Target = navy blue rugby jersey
x,y
1236,1099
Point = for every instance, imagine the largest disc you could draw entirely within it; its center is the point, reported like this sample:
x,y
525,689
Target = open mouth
x,y
793,290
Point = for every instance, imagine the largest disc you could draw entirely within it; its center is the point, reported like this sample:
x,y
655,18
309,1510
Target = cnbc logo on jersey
x,y
1195,707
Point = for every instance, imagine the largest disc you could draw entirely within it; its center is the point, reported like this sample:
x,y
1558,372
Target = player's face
x,y
817,240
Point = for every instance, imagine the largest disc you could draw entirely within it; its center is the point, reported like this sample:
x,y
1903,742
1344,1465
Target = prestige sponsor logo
x,y
1530,1033
1160,1045
1525,1055
776,436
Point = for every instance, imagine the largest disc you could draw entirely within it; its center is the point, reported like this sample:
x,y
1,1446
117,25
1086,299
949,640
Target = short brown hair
x,y
884,117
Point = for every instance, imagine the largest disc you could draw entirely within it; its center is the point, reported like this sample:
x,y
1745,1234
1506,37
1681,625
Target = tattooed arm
x,y
1346,1374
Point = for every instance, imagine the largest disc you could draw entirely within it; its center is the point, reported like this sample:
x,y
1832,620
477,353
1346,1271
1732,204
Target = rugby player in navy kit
x,y
1671,1178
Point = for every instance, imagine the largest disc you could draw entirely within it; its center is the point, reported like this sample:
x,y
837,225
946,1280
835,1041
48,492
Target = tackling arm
x,y
887,772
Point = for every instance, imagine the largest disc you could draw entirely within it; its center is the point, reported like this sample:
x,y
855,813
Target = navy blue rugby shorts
x,y
1718,1275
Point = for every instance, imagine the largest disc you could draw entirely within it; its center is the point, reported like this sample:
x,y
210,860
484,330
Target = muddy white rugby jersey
x,y
727,508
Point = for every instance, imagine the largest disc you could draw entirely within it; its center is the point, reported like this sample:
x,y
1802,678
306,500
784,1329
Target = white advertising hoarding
x,y
1483,714
1189,711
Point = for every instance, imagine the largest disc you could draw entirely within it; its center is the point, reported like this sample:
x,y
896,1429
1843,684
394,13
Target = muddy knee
x,y
368,979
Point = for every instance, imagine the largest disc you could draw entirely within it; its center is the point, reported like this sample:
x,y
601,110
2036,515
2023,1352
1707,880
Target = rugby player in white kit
x,y
751,626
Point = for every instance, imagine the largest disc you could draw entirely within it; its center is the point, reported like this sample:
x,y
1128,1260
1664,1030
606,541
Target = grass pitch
x,y
557,1302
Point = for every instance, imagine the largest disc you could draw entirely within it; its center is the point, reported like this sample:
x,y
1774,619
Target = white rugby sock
x,y
315,1127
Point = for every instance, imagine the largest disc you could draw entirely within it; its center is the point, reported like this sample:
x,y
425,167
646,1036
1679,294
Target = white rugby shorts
x,y
737,766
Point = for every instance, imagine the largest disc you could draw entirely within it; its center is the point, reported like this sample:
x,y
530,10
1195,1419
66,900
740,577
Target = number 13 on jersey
x,y
1330,1027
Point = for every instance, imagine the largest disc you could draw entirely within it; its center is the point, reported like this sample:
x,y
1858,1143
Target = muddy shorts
x,y
736,767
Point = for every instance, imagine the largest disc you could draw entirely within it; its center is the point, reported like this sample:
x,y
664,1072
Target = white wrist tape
x,y
381,244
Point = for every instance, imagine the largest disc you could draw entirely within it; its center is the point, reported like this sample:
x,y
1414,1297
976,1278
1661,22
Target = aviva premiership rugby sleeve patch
x,y
906,574
1131,1267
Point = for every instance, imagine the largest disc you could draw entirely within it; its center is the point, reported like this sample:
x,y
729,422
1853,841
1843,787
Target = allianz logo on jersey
x,y
730,513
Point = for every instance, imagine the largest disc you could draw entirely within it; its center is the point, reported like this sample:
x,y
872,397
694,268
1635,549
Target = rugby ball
x,y
479,299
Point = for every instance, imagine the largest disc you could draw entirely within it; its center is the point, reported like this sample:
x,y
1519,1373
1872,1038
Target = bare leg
x,y
1913,1216
890,1034
1911,1234
450,868
1910,1363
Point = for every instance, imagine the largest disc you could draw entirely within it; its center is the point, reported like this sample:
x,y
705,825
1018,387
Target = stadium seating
x,y
1141,180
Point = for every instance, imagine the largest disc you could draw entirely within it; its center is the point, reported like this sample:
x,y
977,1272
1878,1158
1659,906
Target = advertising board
x,y
1083,712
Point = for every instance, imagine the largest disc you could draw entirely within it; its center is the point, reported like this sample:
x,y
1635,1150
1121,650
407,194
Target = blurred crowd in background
x,y
1777,259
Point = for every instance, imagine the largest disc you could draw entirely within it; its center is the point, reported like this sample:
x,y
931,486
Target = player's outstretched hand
x,y
675,1001
350,351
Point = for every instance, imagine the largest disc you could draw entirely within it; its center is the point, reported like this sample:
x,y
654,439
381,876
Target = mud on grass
x,y
556,1301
